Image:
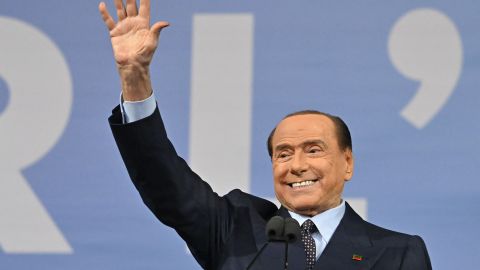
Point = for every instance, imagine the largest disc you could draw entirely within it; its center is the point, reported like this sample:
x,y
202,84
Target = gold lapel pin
x,y
357,257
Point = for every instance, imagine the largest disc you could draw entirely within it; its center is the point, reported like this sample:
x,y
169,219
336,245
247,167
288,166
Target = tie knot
x,y
309,226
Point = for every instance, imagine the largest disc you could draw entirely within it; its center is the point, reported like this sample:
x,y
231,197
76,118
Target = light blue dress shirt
x,y
136,110
326,222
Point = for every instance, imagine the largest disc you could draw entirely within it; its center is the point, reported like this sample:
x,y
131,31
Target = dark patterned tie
x,y
308,227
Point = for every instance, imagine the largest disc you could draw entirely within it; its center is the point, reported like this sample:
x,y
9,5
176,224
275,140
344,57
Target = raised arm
x,y
170,189
134,43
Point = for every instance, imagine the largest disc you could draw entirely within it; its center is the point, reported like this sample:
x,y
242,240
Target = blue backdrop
x,y
366,61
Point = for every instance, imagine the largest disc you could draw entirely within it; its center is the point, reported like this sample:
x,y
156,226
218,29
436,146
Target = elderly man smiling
x,y
312,158
311,155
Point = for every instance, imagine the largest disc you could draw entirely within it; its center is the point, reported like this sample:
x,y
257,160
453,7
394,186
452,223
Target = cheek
x,y
279,171
327,171
322,167
279,175
340,170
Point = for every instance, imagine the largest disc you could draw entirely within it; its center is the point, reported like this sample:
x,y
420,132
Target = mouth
x,y
302,184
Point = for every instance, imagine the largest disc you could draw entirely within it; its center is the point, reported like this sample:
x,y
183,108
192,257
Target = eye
x,y
315,150
283,155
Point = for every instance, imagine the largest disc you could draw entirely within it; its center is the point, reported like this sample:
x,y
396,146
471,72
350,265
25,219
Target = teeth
x,y
303,183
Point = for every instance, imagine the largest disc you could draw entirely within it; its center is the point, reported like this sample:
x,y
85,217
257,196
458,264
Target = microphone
x,y
291,234
292,230
274,231
279,229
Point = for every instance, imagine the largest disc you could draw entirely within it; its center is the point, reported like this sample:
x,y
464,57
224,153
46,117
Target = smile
x,y
305,183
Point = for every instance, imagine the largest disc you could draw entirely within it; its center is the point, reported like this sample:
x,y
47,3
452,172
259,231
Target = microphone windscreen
x,y
274,228
292,230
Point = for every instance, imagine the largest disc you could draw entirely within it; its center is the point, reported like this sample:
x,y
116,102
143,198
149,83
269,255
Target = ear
x,y
349,164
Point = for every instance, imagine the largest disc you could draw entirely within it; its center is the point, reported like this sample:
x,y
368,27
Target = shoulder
x,y
380,235
238,199
410,250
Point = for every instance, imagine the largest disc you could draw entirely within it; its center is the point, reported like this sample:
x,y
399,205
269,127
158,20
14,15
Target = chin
x,y
309,212
303,208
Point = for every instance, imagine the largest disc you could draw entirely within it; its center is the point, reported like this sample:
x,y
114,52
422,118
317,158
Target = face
x,y
309,169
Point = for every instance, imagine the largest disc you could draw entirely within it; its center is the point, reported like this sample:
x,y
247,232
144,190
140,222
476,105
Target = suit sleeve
x,y
170,189
416,256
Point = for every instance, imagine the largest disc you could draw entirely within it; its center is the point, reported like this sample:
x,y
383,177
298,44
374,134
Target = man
x,y
312,158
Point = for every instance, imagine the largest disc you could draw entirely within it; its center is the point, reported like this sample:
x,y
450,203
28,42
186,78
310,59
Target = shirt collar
x,y
326,222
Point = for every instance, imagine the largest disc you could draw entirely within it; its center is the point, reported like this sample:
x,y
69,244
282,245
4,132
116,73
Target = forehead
x,y
303,127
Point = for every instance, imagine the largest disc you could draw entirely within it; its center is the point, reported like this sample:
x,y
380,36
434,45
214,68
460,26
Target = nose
x,y
299,164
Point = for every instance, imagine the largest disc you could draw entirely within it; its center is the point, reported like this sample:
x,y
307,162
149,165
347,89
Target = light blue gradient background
x,y
326,55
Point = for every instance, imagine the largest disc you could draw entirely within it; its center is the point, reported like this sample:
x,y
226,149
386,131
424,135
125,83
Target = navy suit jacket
x,y
225,232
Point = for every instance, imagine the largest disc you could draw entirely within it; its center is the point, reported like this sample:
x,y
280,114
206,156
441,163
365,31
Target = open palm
x,y
133,40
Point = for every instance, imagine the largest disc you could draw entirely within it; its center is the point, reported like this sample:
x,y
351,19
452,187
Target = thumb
x,y
157,27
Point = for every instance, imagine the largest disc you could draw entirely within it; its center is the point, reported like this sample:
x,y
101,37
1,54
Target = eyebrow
x,y
303,144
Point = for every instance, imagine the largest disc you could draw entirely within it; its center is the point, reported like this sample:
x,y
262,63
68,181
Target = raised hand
x,y
134,42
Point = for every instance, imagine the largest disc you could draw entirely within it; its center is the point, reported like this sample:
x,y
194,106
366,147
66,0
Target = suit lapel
x,y
350,247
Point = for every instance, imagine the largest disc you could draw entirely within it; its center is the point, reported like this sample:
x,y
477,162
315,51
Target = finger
x,y
109,22
144,10
131,8
121,14
157,27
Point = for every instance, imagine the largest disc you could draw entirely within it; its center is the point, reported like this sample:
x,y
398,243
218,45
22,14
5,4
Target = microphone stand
x,y
291,234
285,261
274,231
258,254
279,229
